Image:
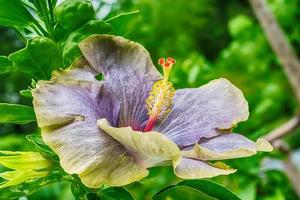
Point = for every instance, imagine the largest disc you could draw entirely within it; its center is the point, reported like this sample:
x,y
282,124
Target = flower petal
x,y
149,149
97,158
227,146
79,70
72,95
23,160
200,113
115,170
17,177
122,167
67,110
128,73
194,169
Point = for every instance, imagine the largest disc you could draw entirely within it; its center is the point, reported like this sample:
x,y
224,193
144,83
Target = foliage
x,y
16,114
205,189
208,38
34,60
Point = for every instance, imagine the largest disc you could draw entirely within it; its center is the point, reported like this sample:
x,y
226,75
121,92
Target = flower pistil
x,y
160,99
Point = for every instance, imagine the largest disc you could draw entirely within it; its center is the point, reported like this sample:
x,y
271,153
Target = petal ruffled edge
x,y
138,151
203,112
227,146
190,168
149,149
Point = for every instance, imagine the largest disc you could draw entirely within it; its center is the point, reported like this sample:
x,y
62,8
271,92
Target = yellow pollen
x,y
160,100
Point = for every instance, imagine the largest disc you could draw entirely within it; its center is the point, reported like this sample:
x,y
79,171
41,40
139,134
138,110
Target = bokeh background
x,y
209,39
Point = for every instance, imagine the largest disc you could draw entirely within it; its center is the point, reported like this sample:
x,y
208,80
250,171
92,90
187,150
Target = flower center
x,y
160,100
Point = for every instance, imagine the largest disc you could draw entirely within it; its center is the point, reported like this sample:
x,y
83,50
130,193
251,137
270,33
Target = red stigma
x,y
171,60
161,61
167,64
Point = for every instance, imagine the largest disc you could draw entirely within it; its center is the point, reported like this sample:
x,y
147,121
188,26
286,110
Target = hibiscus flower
x,y
112,131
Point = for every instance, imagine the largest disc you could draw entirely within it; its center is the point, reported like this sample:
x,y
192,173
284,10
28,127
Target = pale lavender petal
x,y
200,113
226,146
62,102
73,94
67,111
229,142
67,108
128,73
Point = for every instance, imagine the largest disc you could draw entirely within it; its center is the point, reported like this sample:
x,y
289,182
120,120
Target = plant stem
x,y
284,129
21,35
28,5
36,30
51,12
47,20
293,173
37,24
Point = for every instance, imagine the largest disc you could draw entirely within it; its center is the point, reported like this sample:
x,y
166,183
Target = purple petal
x,y
229,142
128,73
200,113
73,94
67,110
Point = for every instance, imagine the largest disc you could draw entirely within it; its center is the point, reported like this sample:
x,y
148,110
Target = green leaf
x,y
119,193
72,13
39,58
42,147
71,50
13,13
123,23
78,190
92,196
26,93
240,25
207,189
16,114
211,188
5,65
181,192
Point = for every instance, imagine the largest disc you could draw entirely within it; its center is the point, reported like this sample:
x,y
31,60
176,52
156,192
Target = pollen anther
x,y
160,100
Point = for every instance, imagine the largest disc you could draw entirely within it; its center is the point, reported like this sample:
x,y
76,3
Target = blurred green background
x,y
209,39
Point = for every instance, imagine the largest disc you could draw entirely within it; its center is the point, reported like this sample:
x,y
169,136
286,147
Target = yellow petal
x,y
128,161
263,145
117,170
18,177
195,169
24,160
149,149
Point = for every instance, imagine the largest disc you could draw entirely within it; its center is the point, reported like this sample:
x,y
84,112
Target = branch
x,y
293,174
291,66
279,44
284,129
